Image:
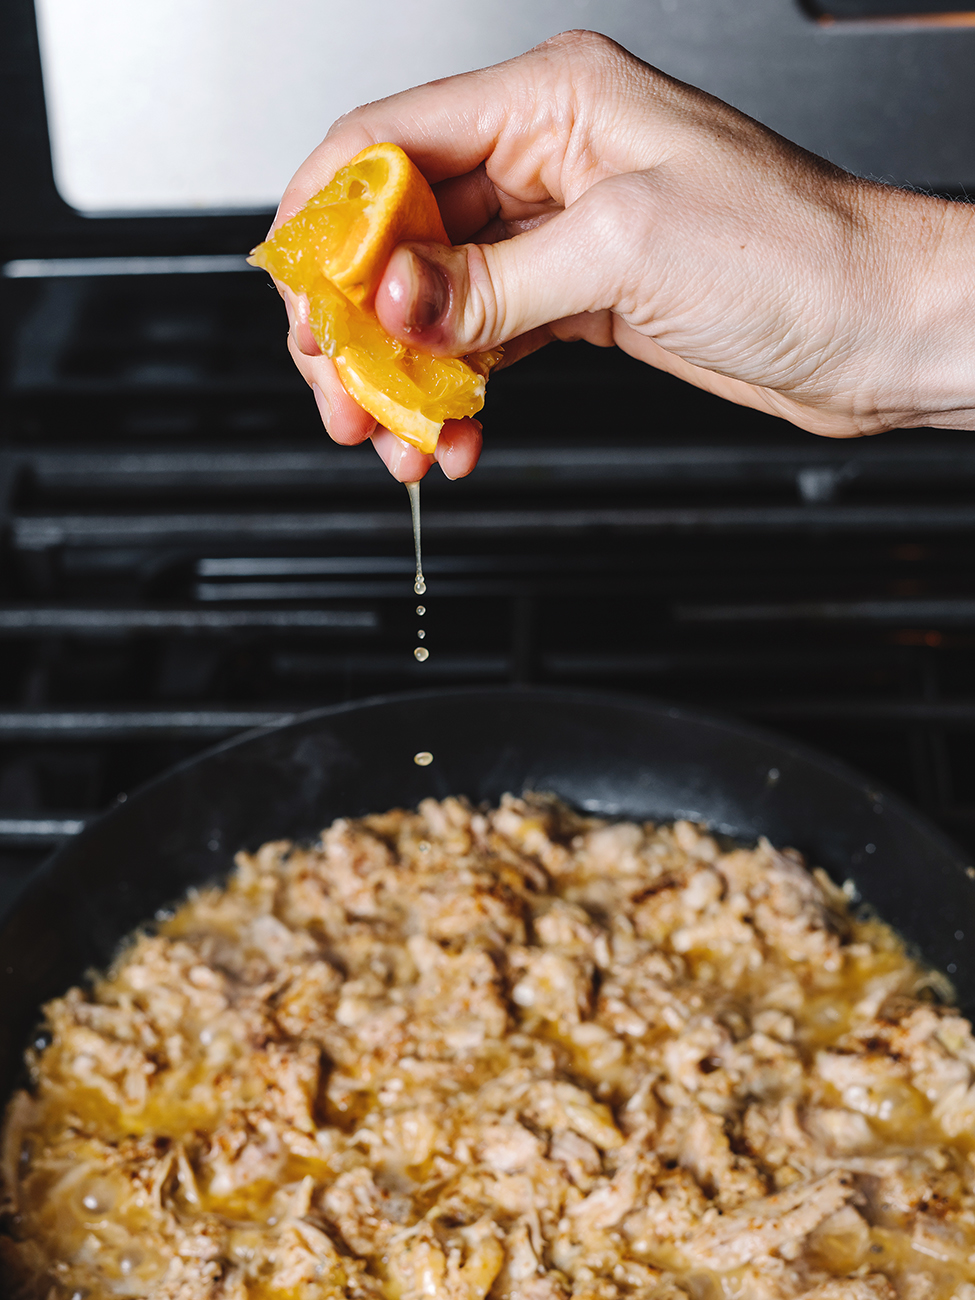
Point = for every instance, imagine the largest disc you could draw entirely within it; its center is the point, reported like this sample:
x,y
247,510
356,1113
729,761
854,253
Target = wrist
x,y
927,251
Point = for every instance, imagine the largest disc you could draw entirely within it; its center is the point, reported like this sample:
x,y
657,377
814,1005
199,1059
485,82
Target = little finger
x,y
459,447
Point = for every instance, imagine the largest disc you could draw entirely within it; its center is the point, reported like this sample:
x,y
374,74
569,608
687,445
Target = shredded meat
x,y
450,1054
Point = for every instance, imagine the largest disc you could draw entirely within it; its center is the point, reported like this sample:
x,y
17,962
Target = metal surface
x,y
39,533
892,100
31,621
944,613
171,566
56,268
817,469
41,725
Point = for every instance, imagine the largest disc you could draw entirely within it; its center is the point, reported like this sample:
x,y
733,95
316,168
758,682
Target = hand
x,y
596,198
347,423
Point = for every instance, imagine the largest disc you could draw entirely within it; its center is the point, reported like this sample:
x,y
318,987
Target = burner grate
x,y
186,556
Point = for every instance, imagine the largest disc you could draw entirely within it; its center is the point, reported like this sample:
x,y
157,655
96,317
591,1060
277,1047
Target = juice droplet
x,y
421,653
420,633
414,491
423,759
421,610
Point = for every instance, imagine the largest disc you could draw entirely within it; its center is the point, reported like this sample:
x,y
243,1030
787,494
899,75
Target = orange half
x,y
334,250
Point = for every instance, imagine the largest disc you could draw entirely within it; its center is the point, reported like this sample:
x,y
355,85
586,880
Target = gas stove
x,y
186,556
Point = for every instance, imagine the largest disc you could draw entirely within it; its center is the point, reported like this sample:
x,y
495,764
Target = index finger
x,y
516,114
447,128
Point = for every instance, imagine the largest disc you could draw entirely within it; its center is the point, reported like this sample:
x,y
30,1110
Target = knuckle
x,y
615,213
349,123
581,41
620,226
591,56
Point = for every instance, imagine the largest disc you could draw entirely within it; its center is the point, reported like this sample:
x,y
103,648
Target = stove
x,y
184,555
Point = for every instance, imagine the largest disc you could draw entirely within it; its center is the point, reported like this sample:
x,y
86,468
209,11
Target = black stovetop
x,y
185,555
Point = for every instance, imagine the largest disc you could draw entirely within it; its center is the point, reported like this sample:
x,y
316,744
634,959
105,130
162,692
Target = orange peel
x,y
334,250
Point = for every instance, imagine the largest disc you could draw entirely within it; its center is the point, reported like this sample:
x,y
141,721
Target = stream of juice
x,y
419,586
413,489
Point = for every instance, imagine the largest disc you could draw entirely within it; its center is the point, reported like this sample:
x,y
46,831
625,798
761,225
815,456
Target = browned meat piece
x,y
361,1212
579,1157
778,1224
706,1151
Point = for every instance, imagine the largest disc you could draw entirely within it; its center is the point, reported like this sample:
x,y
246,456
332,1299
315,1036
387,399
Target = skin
x,y
589,196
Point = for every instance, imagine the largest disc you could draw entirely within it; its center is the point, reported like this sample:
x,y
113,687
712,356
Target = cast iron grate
x,y
185,555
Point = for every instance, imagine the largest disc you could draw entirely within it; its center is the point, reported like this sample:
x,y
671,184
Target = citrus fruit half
x,y
334,250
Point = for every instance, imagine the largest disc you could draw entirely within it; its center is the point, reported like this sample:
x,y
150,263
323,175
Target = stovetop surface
x,y
185,554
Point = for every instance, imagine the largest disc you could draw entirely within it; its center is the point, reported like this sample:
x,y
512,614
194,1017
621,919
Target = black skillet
x,y
608,755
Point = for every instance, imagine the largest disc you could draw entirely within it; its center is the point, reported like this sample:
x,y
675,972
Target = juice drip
x,y
419,586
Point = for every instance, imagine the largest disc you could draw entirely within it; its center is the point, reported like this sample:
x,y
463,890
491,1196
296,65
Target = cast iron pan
x,y
604,754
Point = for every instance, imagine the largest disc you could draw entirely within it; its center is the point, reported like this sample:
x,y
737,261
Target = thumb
x,y
452,301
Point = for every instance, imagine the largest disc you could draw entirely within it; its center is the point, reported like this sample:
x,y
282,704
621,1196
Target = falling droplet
x,y
420,633
423,759
421,610
413,489
421,653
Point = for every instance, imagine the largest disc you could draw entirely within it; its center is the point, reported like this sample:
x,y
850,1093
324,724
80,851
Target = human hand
x,y
596,198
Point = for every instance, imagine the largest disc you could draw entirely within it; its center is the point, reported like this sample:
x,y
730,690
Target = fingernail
x,y
443,460
422,289
321,401
396,452
291,314
391,449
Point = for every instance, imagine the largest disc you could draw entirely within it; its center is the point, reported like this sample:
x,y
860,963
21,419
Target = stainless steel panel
x,y
890,100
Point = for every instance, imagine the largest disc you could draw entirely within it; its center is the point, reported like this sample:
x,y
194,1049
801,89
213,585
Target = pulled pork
x,y
450,1054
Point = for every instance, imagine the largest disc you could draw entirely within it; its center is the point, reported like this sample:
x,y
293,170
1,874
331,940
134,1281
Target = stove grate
x,y
184,556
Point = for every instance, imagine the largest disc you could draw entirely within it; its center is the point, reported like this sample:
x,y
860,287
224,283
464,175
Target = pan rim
x,y
728,724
